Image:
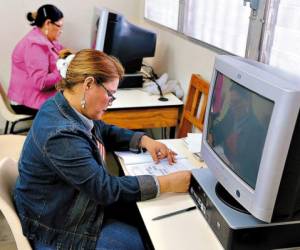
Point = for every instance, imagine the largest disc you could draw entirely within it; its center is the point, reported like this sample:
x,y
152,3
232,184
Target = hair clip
x,y
44,11
63,64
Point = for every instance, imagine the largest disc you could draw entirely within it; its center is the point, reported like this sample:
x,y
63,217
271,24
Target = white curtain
x,y
221,23
164,12
284,49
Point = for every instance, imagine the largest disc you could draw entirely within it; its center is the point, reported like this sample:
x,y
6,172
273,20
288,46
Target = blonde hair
x,y
34,15
89,62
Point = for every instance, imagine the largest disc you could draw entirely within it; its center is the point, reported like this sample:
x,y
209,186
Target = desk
x,y
137,109
183,231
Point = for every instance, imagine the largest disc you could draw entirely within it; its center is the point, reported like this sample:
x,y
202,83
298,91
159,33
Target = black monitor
x,y
115,36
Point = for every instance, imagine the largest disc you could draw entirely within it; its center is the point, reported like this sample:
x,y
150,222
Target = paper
x,y
142,164
162,168
193,142
132,158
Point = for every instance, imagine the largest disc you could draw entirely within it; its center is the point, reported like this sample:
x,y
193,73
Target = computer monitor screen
x,y
115,36
237,127
251,137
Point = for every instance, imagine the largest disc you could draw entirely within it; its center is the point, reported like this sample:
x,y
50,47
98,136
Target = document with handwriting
x,y
142,164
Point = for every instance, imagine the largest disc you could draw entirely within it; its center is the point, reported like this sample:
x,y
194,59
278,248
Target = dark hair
x,y
47,11
89,62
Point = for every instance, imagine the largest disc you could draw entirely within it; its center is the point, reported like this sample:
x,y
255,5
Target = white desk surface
x,y
188,231
136,98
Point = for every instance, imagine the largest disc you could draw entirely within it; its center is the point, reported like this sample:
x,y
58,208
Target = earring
x,y
83,102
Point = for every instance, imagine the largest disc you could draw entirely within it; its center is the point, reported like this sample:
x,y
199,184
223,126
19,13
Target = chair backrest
x,y
8,176
5,109
11,146
194,109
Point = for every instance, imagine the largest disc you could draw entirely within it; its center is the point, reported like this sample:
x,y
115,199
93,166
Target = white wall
x,y
77,23
180,57
175,55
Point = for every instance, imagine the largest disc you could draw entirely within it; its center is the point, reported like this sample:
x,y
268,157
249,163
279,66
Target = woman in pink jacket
x,y
34,73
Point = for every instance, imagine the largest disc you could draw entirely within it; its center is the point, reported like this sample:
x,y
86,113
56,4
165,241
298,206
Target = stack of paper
x,y
142,164
193,142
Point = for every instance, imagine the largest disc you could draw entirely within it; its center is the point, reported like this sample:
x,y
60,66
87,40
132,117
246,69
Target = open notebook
x,y
142,164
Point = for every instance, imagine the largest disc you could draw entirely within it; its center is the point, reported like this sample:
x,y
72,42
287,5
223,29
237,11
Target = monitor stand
x,y
226,198
235,228
134,80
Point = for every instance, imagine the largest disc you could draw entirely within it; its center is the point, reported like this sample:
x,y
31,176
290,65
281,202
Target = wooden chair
x,y
195,106
8,176
10,116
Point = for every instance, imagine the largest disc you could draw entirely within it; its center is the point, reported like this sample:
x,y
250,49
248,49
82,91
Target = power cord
x,y
149,74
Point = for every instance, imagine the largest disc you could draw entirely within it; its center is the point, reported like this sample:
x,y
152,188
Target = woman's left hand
x,y
157,150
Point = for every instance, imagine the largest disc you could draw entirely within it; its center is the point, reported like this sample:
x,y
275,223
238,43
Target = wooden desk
x,y
136,109
183,231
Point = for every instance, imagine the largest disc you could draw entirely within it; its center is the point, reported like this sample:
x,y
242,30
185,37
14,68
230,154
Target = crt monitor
x,y
251,139
115,36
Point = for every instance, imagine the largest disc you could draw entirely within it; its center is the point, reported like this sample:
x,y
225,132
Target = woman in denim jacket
x,y
64,190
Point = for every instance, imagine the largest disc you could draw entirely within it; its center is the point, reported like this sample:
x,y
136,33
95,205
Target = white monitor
x,y
251,138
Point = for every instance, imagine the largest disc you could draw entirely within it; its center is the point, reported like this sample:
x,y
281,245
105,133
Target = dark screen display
x,y
124,40
237,127
128,42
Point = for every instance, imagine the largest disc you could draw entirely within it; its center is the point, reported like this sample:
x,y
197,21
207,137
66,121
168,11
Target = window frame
x,y
255,30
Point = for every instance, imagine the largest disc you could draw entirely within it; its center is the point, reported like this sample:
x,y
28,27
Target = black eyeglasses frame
x,y
109,93
57,25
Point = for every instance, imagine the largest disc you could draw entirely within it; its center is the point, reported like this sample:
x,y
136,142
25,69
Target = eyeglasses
x,y
110,95
57,25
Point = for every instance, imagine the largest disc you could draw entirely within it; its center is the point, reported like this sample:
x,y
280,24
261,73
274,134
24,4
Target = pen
x,y
174,213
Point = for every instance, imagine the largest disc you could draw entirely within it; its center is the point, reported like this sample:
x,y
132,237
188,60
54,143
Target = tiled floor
x,y
6,239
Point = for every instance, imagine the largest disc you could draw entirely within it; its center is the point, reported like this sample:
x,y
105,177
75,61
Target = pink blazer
x,y
33,71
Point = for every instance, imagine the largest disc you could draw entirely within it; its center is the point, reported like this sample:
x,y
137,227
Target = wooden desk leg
x,y
172,132
163,133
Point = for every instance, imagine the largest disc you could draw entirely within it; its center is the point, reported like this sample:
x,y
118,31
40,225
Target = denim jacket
x,y
63,185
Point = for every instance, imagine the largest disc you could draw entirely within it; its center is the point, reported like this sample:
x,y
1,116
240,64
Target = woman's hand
x,y
178,182
157,149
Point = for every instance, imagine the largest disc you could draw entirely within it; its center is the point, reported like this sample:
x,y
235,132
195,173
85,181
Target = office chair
x,y
10,116
194,109
8,176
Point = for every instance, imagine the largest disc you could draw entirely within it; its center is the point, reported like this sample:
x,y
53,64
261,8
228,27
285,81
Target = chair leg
x,y
164,133
172,132
12,127
6,127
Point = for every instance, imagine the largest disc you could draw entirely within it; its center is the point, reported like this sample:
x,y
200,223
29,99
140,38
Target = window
x,y
269,31
282,35
164,12
206,21
221,23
